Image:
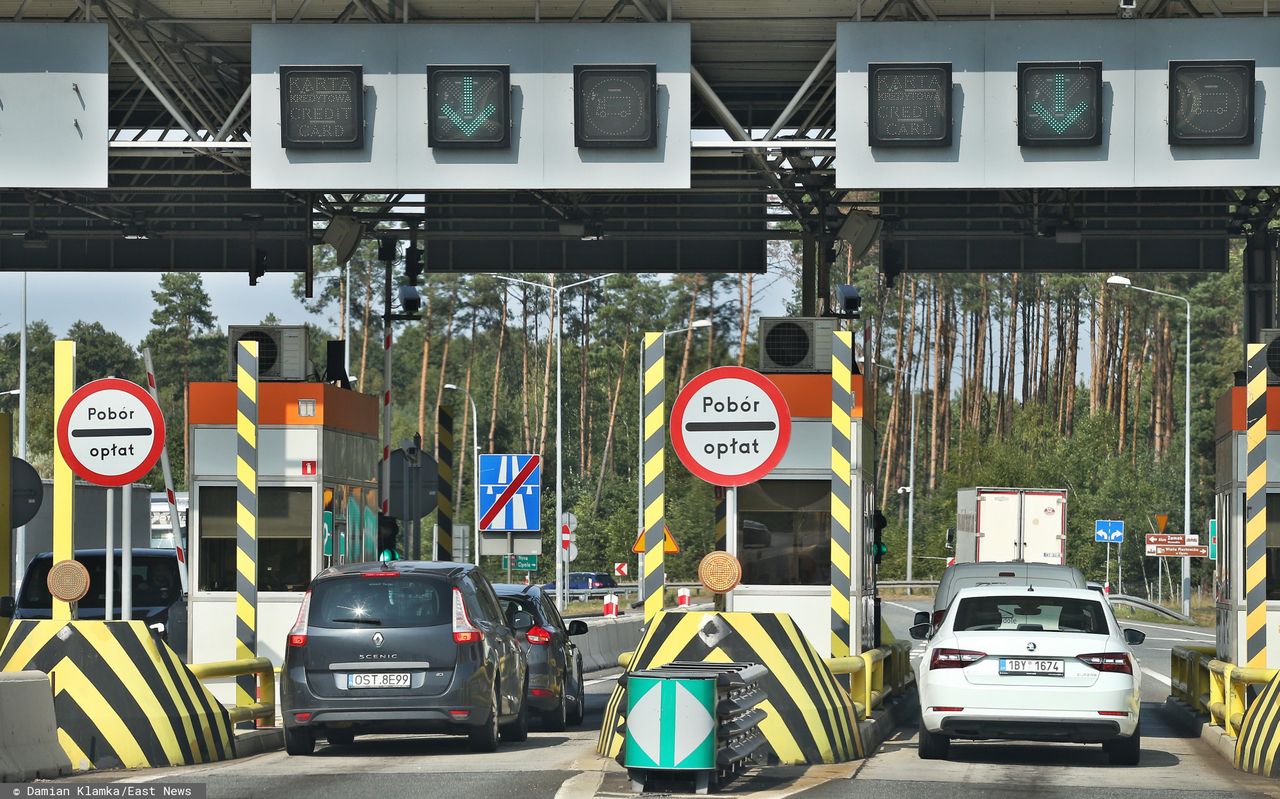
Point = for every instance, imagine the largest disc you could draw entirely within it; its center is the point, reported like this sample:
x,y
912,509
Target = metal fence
x,y
1212,686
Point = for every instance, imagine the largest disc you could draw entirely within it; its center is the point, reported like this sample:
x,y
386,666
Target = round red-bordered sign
x,y
111,432
730,426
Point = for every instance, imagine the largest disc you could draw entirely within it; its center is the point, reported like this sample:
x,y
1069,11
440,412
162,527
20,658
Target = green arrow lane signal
x,y
1060,104
468,106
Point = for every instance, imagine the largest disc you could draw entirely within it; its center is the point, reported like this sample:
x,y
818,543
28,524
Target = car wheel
x,y
518,730
1125,751
556,719
299,741
579,709
485,737
341,737
933,745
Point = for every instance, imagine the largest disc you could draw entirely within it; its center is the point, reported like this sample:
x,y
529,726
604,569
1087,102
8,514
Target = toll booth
x,y
1229,504
318,456
783,535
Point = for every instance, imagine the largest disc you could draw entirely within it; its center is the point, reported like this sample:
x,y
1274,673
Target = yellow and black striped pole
x,y
246,518
64,482
653,411
841,493
444,485
1255,524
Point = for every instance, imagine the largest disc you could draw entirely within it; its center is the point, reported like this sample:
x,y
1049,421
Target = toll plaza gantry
x,y
646,136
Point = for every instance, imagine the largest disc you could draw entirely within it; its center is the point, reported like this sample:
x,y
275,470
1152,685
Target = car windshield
x,y
400,601
156,582
512,605
1029,612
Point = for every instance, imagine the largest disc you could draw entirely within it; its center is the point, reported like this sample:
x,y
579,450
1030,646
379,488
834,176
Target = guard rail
x,y
265,707
1212,686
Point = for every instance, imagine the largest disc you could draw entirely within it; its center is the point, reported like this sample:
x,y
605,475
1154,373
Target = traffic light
x,y
469,106
878,548
1060,104
412,265
615,106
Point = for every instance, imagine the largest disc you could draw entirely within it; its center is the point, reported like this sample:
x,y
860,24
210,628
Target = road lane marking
x,y
1157,676
1182,630
900,605
599,680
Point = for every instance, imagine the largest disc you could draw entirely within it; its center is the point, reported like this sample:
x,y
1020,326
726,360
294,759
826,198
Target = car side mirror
x,y
577,627
1134,637
920,632
8,607
521,621
922,617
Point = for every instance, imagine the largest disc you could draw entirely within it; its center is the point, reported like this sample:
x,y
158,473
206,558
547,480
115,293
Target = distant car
x,y
585,581
1030,663
402,647
556,688
156,592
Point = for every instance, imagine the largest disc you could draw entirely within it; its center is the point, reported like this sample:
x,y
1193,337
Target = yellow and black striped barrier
x,y
654,374
811,718
1255,515
444,485
246,517
122,698
841,493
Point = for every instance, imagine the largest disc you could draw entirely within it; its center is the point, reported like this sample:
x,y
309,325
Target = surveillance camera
x,y
1128,8
848,302
410,299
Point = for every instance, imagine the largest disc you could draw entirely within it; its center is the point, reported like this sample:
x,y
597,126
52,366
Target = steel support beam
x,y
1260,285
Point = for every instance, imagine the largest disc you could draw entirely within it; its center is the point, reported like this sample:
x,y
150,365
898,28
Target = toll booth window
x,y
1273,546
784,535
284,538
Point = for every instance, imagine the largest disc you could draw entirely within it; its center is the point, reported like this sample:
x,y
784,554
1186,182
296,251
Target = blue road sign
x,y
510,493
1107,531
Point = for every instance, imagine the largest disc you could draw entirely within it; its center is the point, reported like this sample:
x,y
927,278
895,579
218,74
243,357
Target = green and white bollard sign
x,y
671,724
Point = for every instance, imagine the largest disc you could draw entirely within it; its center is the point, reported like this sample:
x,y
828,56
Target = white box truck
x,y
1011,524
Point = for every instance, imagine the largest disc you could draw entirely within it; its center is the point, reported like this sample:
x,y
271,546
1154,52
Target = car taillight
x,y
298,635
464,632
538,635
954,658
381,574
1108,661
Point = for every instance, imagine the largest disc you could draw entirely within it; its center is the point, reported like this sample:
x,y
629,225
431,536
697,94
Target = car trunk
x,y
1051,650
380,637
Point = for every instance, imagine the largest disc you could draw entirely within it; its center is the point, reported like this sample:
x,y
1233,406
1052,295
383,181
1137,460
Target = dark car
x,y
157,592
585,581
556,689
402,647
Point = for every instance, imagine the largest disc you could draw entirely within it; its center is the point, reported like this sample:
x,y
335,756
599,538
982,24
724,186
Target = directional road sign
x,y
619,570
510,493
522,563
730,426
111,432
1175,551
670,723
1108,531
1174,539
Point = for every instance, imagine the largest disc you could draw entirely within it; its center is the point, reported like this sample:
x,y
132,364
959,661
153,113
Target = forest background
x,y
1018,380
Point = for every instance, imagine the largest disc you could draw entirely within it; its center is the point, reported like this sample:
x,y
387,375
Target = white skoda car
x,y
1030,664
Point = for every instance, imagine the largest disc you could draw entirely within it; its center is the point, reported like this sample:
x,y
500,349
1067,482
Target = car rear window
x,y
1030,613
512,604
156,582
400,601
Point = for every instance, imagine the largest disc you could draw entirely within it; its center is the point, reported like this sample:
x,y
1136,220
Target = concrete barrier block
x,y
29,747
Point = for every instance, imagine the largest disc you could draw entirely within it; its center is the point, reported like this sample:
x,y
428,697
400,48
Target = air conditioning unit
x,y
1271,337
795,344
282,350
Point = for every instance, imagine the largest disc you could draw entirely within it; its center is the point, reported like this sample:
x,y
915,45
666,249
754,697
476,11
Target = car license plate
x,y
379,679
1036,667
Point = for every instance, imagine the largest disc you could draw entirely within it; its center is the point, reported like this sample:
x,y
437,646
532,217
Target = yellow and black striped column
x,y
246,518
444,485
653,411
841,493
1255,515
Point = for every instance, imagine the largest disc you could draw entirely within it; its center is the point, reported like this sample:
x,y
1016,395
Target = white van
x,y
971,575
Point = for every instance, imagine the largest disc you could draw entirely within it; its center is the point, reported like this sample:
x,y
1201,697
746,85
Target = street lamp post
x,y
1119,280
562,555
475,469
